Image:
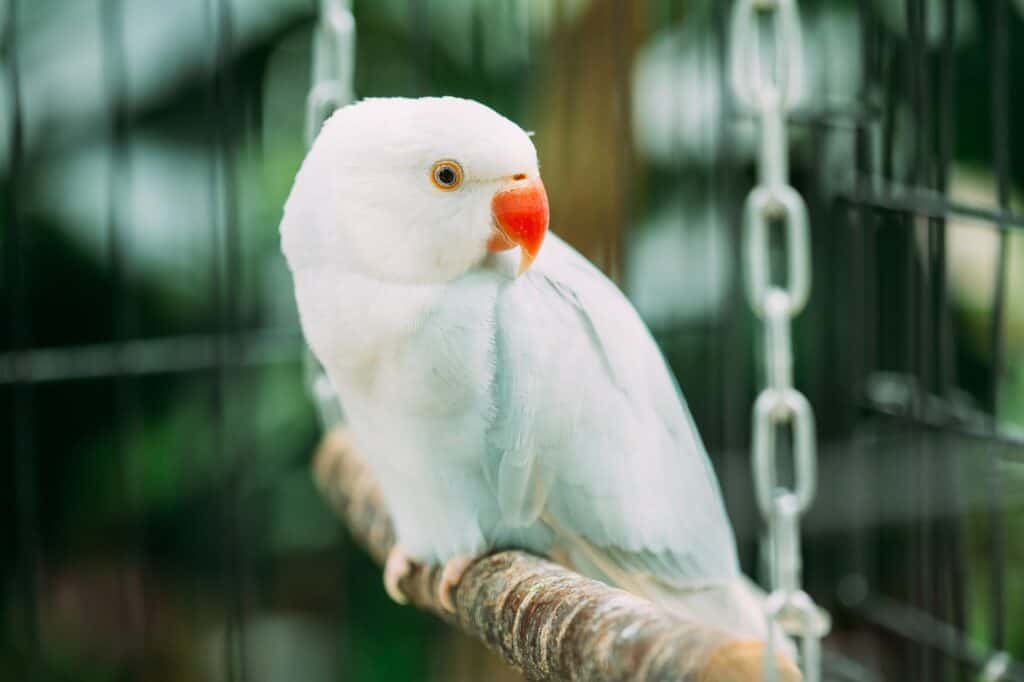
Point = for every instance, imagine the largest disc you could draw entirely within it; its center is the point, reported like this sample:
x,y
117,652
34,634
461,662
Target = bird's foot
x,y
398,565
451,576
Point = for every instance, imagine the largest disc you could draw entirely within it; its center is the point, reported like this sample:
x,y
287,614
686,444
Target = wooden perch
x,y
548,622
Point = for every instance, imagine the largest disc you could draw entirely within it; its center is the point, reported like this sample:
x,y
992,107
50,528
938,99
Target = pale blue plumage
x,y
494,410
590,432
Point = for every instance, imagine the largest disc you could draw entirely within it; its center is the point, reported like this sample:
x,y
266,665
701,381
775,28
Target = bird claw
x,y
451,576
398,565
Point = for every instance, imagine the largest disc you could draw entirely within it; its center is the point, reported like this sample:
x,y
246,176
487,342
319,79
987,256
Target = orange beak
x,y
521,215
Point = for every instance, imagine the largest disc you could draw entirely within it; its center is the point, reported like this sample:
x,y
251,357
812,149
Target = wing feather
x,y
592,435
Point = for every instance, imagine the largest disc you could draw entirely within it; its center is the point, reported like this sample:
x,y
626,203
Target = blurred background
x,y
156,497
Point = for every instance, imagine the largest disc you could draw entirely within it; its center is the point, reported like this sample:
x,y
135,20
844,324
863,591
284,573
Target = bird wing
x,y
591,434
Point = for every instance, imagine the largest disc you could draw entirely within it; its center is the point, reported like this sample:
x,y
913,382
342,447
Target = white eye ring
x,y
446,175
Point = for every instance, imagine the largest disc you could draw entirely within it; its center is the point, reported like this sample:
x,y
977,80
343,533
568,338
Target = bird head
x,y
415,190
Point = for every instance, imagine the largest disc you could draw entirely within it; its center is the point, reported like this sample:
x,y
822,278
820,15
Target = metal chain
x,y
334,44
763,31
331,86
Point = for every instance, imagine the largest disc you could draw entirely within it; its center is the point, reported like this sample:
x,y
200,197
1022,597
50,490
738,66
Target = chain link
x,y
331,86
334,41
752,86
774,201
780,203
774,408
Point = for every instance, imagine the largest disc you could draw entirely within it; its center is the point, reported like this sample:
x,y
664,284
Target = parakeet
x,y
504,392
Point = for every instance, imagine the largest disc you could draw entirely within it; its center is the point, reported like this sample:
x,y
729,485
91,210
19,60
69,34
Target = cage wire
x,y
911,541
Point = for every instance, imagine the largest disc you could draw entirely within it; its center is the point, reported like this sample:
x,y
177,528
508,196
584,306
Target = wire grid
x,y
908,329
869,270
217,353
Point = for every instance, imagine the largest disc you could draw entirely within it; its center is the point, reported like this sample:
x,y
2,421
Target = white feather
x,y
498,411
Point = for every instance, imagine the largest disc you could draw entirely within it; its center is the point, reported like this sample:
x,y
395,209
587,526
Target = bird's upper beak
x,y
521,217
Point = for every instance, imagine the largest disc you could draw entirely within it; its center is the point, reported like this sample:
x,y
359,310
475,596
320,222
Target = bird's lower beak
x,y
521,218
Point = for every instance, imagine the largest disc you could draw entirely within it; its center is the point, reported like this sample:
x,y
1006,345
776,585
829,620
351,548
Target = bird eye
x,y
446,175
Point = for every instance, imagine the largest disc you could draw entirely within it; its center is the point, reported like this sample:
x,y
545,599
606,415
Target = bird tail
x,y
735,606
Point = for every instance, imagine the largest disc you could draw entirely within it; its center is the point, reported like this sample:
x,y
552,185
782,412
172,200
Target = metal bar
x,y
21,416
706,331
216,360
734,366
921,628
218,386
942,414
872,351
167,355
954,577
223,273
917,561
917,79
111,30
947,148
126,412
835,116
888,75
1001,161
861,554
972,432
928,204
923,310
889,121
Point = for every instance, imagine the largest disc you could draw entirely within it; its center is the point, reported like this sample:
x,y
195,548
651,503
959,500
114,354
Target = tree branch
x,y
543,619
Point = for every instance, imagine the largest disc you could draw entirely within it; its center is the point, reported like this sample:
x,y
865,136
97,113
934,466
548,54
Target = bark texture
x,y
541,618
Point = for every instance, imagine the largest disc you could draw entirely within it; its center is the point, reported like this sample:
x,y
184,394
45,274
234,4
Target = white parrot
x,y
499,403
